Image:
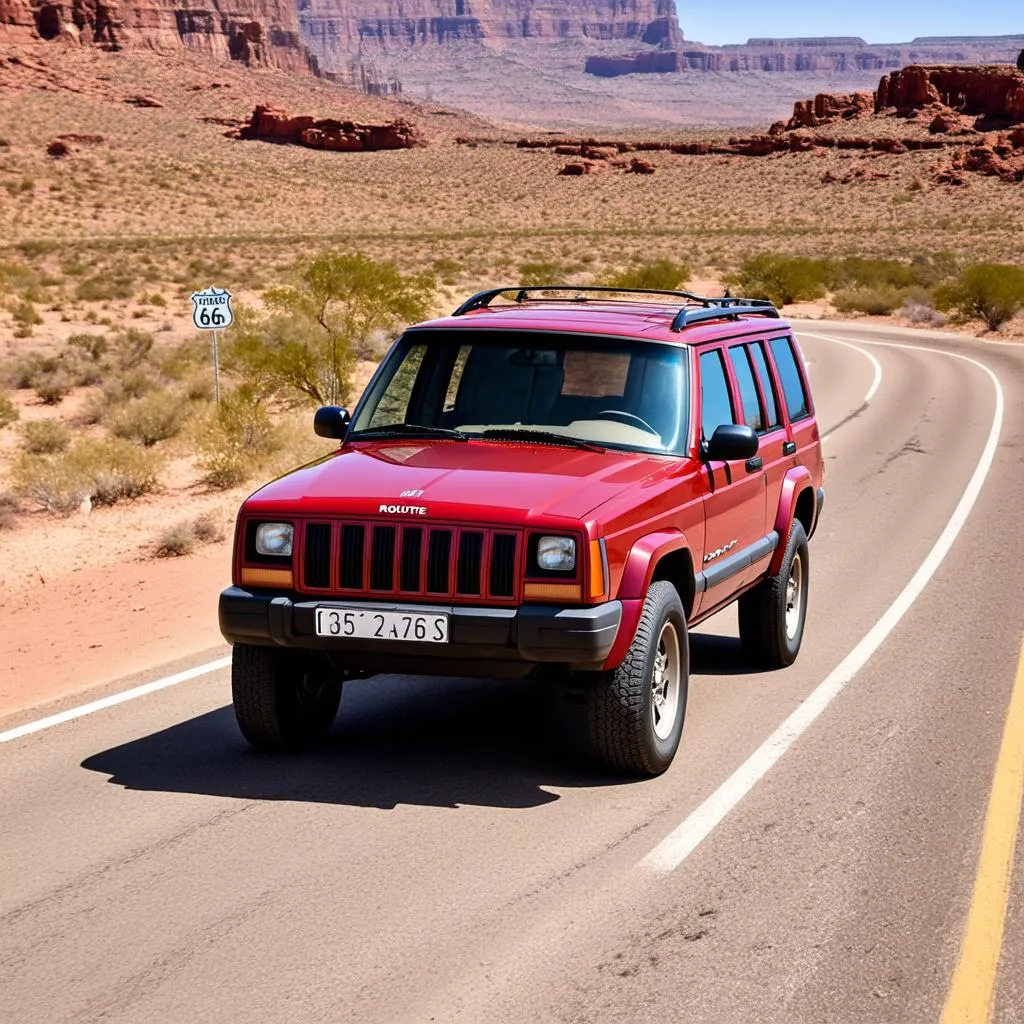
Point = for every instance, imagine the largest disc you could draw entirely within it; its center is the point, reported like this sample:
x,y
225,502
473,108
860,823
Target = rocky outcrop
x,y
336,29
994,93
828,107
270,124
843,54
263,33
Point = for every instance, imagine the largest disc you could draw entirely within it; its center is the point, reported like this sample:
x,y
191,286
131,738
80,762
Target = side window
x,y
456,378
792,385
767,385
748,389
716,406
394,403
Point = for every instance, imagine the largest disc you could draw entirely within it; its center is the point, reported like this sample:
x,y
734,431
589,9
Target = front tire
x,y
636,711
772,615
280,701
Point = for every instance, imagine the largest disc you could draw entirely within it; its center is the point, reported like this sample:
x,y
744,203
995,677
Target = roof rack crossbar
x,y
709,307
730,311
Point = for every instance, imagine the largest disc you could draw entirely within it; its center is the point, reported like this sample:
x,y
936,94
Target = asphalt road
x,y
447,859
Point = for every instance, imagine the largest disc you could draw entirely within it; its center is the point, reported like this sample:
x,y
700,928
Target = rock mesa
x,y
270,124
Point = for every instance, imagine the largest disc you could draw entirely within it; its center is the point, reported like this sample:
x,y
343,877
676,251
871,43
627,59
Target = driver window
x,y
394,403
715,402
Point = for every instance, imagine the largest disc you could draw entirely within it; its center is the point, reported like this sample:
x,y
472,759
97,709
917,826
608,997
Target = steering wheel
x,y
622,415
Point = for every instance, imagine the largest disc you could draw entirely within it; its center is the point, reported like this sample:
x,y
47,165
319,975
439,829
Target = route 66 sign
x,y
211,309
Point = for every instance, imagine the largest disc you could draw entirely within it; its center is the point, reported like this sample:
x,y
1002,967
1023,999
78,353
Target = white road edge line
x,y
115,698
875,381
686,837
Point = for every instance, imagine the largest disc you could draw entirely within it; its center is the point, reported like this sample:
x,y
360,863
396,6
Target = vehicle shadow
x,y
713,655
397,740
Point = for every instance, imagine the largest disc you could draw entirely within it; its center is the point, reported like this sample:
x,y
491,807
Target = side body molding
x,y
795,481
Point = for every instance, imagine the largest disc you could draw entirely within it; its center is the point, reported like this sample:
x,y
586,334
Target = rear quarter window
x,y
789,376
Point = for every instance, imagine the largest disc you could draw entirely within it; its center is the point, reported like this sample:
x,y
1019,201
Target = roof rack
x,y
708,308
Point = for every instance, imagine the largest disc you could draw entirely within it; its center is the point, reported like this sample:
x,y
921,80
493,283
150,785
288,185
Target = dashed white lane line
x,y
115,698
687,836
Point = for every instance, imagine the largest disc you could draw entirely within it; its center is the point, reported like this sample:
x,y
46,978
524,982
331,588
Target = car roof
x,y
651,321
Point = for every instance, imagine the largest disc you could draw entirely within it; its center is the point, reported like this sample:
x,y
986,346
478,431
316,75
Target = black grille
x,y
382,558
317,567
471,550
412,551
352,539
503,565
439,555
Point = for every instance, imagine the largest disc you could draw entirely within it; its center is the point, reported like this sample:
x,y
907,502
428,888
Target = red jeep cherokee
x,y
550,480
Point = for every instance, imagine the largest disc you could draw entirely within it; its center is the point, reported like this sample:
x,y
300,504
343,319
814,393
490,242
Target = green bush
x,y
21,371
659,274
104,470
156,417
783,279
990,292
25,317
92,347
235,440
132,348
45,437
878,299
8,411
104,288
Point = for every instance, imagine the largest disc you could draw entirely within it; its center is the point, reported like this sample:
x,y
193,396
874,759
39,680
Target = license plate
x,y
364,623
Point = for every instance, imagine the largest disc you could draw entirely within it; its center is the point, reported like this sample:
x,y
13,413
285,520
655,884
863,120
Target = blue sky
x,y
877,21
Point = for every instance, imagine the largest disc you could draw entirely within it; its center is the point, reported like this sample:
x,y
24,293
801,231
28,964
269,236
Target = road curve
x,y
445,858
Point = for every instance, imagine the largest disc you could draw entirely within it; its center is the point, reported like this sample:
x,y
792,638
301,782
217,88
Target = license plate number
x,y
364,623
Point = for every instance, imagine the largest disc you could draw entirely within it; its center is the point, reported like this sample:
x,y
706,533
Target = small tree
x,y
990,292
315,330
659,274
783,279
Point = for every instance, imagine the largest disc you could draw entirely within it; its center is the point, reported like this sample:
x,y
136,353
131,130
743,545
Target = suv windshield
x,y
611,392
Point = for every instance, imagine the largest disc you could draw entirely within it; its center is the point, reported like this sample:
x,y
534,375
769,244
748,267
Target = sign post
x,y
211,311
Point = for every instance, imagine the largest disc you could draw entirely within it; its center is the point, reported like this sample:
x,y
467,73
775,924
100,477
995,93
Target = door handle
x,y
789,448
754,464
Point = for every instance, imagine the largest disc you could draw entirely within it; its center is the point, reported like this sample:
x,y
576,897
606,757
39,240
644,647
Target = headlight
x,y
556,554
274,539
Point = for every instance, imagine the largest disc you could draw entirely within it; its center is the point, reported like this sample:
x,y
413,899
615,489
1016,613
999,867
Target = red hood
x,y
481,481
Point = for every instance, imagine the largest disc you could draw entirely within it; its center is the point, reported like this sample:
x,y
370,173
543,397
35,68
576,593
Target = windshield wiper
x,y
409,430
544,436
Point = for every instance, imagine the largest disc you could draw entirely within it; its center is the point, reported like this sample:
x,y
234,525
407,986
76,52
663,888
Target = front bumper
x,y
580,637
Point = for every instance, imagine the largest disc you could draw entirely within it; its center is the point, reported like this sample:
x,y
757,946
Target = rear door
x,y
734,491
769,421
796,398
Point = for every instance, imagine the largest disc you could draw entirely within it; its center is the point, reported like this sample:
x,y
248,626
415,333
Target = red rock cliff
x,y
256,32
995,92
336,28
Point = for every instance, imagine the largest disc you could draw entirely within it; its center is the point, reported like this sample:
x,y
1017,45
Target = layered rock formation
x,y
993,93
271,124
255,32
841,54
336,28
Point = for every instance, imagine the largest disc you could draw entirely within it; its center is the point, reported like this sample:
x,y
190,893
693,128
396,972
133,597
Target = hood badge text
x,y
404,510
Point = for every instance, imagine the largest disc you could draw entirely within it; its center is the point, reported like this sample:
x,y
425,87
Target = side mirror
x,y
331,421
730,442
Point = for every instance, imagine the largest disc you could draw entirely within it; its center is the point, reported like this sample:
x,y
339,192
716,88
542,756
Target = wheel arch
x,y
796,501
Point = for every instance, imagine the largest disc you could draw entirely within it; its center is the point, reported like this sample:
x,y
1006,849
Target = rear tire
x,y
635,712
280,701
772,615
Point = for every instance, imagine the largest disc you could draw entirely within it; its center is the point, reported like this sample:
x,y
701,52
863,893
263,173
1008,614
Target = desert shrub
x,y
53,385
659,274
45,437
875,300
21,371
91,347
25,317
235,439
176,540
206,529
131,348
783,279
8,411
105,470
156,417
104,288
535,272
990,292
923,313
131,384
116,470
10,506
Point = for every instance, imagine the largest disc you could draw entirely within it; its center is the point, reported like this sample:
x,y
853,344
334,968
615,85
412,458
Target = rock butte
x,y
270,124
